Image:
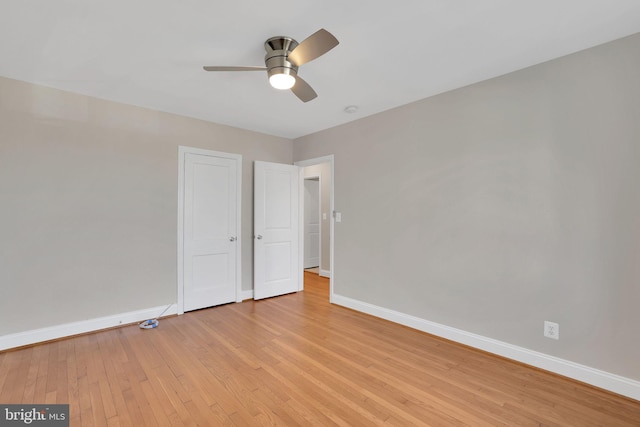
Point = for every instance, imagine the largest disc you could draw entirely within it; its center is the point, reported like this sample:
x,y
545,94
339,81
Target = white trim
x,y
75,328
316,161
324,273
247,295
180,248
182,151
300,228
615,383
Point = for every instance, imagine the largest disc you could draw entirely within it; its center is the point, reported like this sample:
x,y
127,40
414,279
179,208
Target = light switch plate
x,y
338,216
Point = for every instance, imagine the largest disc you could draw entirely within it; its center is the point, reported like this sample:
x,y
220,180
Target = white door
x,y
311,222
276,229
210,230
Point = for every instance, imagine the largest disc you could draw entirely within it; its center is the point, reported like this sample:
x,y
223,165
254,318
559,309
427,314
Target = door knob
x,y
259,237
232,239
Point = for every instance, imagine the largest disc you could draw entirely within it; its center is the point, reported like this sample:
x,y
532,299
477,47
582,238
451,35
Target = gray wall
x,y
88,196
323,170
503,204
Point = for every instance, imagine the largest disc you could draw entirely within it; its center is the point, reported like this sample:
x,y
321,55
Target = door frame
x,y
311,162
182,152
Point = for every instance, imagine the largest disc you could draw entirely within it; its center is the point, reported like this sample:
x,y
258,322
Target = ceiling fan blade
x,y
216,68
302,90
317,44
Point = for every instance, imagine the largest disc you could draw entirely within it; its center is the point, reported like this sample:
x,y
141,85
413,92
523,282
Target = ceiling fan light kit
x,y
282,73
284,56
282,81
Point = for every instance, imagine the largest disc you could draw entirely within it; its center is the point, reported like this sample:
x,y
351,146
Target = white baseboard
x,y
325,273
247,295
68,329
615,383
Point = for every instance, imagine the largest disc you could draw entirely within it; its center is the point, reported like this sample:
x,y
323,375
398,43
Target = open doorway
x,y
317,236
312,225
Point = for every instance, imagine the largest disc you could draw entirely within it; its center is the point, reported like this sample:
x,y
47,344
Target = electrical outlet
x,y
551,330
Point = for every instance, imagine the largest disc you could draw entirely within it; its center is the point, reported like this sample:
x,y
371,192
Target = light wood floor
x,y
294,360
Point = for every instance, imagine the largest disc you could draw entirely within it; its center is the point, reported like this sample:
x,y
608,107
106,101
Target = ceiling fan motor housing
x,y
276,60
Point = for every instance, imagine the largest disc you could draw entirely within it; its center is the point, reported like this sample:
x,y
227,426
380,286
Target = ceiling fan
x,y
284,56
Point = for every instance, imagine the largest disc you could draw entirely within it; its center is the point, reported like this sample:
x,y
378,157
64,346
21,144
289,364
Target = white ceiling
x,y
150,53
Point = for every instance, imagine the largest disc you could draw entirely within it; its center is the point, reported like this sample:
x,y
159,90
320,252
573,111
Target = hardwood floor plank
x,y
117,387
294,360
316,402
97,407
106,397
86,410
302,380
42,360
21,378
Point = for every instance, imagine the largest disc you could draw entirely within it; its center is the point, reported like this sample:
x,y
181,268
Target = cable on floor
x,y
153,323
